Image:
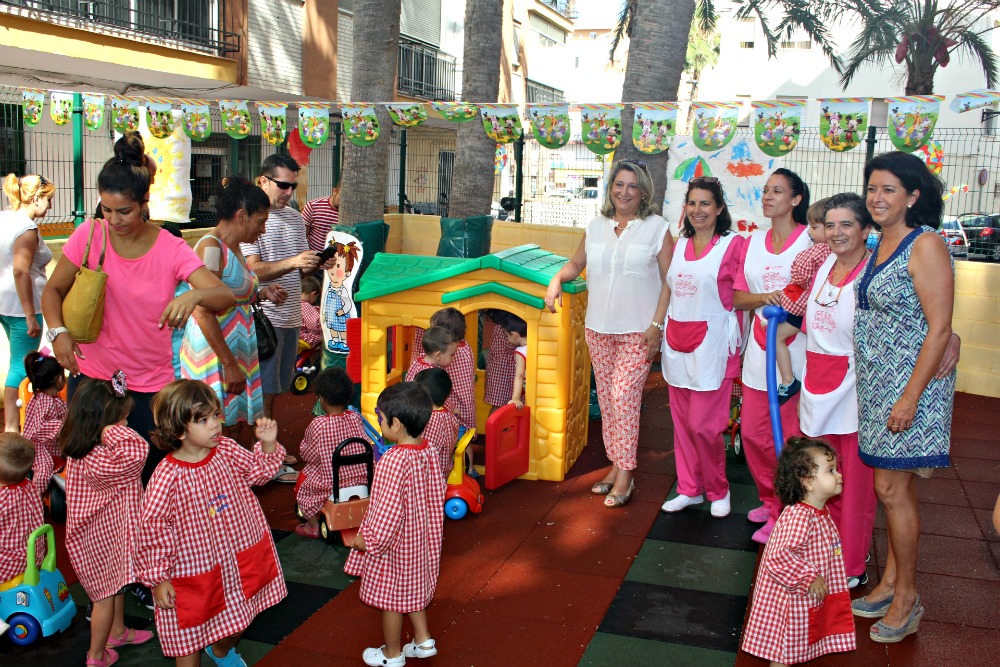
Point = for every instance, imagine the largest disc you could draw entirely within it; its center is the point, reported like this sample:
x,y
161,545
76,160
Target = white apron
x,y
700,334
829,403
766,272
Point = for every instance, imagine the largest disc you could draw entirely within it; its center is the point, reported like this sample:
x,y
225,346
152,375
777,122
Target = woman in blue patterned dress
x,y
902,331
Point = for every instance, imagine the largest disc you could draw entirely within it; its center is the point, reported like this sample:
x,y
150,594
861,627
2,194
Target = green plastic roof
x,y
390,273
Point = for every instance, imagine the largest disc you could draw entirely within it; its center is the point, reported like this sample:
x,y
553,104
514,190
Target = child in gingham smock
x,y
46,411
499,362
397,551
205,547
441,432
20,502
103,502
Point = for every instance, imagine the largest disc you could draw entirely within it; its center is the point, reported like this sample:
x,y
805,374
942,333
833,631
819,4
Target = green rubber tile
x,y
609,649
150,654
742,497
309,561
693,567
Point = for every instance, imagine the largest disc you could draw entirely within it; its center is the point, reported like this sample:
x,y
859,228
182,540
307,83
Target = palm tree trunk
x,y
376,54
472,184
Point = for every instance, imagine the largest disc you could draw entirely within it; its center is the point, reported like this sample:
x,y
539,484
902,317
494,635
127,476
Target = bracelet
x,y
658,325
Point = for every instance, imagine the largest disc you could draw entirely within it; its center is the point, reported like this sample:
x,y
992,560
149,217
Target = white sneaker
x,y
375,658
720,508
681,502
425,650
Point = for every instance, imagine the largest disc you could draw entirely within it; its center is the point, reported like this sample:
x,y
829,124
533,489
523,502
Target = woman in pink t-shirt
x,y
144,265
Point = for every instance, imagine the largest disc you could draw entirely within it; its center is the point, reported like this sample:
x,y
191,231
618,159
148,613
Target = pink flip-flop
x,y
110,658
131,636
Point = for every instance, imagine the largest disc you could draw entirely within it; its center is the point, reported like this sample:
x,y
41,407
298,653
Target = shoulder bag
x,y
83,307
267,339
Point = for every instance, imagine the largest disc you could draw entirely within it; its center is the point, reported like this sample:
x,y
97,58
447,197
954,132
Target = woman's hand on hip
x,y
34,328
902,414
66,350
653,338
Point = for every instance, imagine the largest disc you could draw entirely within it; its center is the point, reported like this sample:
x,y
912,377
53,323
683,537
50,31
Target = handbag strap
x,y
94,223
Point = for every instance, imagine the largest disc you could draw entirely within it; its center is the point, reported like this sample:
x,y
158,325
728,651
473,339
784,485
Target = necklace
x,y
830,299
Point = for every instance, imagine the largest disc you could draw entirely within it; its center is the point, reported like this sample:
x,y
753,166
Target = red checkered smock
x,y
441,433
795,296
20,513
804,544
203,529
418,364
43,420
499,369
322,436
462,371
402,529
103,503
311,331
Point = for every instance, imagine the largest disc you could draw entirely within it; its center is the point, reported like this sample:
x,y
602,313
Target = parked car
x,y
982,232
586,193
954,235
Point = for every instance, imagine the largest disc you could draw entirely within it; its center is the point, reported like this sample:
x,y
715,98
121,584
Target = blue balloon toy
x,y
775,315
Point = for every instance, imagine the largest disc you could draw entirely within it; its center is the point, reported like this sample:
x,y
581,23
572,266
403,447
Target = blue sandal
x,y
886,634
231,659
865,609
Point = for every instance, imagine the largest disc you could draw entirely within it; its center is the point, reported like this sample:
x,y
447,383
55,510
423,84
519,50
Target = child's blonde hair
x,y
176,406
17,455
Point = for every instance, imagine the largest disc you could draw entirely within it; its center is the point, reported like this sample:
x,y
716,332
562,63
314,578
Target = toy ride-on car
x,y
37,603
463,494
306,367
345,508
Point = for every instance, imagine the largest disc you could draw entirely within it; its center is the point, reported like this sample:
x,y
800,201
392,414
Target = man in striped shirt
x,y
321,215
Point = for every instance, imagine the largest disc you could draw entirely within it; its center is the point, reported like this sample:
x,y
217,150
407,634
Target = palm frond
x,y
705,15
872,47
623,27
972,42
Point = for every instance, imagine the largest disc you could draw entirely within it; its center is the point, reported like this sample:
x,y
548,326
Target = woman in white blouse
x,y
626,251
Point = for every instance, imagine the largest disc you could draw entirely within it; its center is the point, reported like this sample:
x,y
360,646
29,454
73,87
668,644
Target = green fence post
x,y
519,183
338,153
234,157
402,171
870,141
79,213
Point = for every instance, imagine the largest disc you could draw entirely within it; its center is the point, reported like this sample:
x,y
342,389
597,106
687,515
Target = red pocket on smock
x,y
760,334
685,336
832,617
257,566
825,372
199,597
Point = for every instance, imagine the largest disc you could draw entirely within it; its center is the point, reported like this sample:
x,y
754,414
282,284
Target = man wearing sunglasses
x,y
280,257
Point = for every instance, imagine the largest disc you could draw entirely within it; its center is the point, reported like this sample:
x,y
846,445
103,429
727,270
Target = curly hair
x,y
176,406
796,464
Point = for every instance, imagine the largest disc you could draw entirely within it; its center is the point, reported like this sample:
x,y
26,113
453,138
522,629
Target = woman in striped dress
x,y
220,349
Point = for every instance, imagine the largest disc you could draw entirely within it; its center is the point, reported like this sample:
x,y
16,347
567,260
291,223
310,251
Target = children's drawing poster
x,y
124,114
653,125
500,158
61,107
337,300
549,124
843,122
602,127
272,121
776,125
170,196
407,115
715,124
160,117
912,120
361,125
456,112
932,153
32,101
235,118
501,122
93,111
974,99
314,124
197,119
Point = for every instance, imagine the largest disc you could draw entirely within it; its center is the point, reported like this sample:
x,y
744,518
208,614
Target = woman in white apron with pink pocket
x,y
828,408
701,350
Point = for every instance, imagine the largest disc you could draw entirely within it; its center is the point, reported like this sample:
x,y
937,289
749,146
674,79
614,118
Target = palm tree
x,y
920,33
472,184
376,47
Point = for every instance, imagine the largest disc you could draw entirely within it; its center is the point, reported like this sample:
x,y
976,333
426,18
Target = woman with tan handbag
x,y
141,265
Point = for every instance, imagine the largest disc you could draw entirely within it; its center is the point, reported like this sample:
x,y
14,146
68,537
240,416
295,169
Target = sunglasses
x,y
42,181
703,179
283,185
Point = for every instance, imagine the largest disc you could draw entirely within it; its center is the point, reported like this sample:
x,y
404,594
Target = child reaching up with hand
x,y
517,335
397,551
46,411
801,605
205,547
103,503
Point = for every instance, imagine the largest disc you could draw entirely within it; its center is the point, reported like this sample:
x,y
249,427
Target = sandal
x,y
286,475
305,530
866,609
231,659
886,634
290,460
612,501
131,636
110,658
601,488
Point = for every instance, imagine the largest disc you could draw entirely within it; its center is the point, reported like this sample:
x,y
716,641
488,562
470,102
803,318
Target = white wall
x,y
274,45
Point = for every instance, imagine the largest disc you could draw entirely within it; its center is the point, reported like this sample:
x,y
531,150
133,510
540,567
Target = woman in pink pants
x,y
701,351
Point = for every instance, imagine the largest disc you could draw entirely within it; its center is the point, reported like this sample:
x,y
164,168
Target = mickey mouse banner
x,y
501,122
93,111
843,122
197,119
314,123
33,103
549,124
715,123
912,120
407,115
361,125
653,125
776,125
602,127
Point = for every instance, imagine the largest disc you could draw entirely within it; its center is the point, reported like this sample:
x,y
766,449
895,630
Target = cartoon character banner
x,y
653,125
361,125
932,153
715,123
456,112
407,115
160,117
314,124
776,125
124,114
61,107
602,127
549,124
235,118
93,111
501,122
33,103
500,158
336,304
843,122
974,99
197,119
912,120
272,121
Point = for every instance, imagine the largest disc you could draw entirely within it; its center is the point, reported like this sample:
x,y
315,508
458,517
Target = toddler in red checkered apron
x,y
461,369
205,548
397,552
104,460
801,606
500,361
441,432
46,412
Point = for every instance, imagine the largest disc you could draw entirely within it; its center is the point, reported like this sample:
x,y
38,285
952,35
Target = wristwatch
x,y
52,334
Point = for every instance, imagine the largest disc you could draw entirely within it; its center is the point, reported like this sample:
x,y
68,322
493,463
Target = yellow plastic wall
x,y
977,321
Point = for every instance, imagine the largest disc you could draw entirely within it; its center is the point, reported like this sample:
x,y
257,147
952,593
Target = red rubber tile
x,y
487,536
944,520
941,491
985,520
482,639
949,556
462,578
587,551
976,449
977,470
954,599
982,495
938,644
582,512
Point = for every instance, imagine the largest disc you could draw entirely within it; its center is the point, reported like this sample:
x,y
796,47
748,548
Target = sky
x,y
592,12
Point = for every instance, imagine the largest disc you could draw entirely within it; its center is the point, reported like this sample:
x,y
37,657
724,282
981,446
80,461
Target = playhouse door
x,y
507,445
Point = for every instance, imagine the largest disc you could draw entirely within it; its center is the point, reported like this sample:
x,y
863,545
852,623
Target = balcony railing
x,y
194,24
565,7
425,72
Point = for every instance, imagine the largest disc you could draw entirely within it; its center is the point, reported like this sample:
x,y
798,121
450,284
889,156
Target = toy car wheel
x,y
57,504
456,508
24,629
327,534
300,382
738,446
298,513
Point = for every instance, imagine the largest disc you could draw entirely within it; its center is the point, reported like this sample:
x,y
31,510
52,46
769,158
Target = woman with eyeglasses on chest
x,y
626,251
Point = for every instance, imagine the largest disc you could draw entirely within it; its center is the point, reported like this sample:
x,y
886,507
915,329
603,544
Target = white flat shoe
x,y
681,502
721,508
